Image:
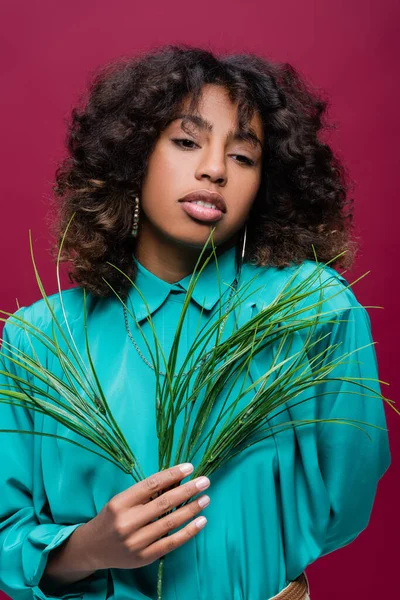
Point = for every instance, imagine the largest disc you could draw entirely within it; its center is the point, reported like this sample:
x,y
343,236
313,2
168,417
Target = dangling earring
x,y
135,226
240,260
244,241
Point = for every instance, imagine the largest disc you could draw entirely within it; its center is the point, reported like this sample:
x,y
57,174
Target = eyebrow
x,y
248,135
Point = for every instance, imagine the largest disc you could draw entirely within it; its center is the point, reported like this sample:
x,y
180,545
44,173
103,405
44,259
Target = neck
x,y
168,260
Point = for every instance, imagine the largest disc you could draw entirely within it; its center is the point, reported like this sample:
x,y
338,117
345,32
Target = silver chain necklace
x,y
221,329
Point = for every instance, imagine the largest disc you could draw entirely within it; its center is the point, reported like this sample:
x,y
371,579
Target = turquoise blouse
x,y
275,507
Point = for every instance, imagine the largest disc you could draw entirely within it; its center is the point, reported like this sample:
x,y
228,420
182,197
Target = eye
x,y
181,141
247,160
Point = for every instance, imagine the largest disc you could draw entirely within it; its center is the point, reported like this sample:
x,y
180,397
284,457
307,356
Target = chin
x,y
196,242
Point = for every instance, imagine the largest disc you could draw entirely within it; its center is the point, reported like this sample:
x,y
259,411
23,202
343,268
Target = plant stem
x,y
160,569
159,578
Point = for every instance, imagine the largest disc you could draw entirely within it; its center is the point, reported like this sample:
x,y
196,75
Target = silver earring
x,y
135,226
240,260
244,240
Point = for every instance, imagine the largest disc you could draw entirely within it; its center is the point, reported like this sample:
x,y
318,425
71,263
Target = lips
x,y
206,196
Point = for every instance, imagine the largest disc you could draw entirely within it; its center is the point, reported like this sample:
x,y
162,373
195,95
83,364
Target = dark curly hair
x,y
303,196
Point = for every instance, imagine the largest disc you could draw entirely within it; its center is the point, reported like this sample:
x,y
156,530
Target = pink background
x,y
348,48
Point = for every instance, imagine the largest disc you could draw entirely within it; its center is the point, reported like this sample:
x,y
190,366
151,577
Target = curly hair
x,y
302,202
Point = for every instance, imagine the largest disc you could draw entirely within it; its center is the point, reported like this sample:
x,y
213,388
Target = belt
x,y
299,589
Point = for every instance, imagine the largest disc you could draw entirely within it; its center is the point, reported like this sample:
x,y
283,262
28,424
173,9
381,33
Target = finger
x,y
154,531
171,542
142,492
169,500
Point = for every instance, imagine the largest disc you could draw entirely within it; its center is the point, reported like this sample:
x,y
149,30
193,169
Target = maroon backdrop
x,y
347,48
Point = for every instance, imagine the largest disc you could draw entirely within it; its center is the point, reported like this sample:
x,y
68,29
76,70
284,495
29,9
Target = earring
x,y
135,226
244,241
239,261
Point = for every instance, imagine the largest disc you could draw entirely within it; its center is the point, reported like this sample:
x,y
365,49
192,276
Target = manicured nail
x,y
200,522
204,501
186,468
203,483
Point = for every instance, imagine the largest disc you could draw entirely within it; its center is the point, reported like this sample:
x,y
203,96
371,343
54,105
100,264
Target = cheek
x,y
163,174
256,180
154,181
246,191
255,186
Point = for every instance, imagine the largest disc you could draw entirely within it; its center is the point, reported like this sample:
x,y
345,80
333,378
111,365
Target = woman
x,y
159,136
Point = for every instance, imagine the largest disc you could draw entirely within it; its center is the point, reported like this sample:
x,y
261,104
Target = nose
x,y
212,166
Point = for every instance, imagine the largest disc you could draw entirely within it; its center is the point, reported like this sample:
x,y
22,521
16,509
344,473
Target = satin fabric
x,y
275,508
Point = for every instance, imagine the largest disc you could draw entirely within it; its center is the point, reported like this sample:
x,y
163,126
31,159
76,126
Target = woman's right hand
x,y
128,531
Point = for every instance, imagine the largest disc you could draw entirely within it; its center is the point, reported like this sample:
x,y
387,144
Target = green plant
x,y
78,401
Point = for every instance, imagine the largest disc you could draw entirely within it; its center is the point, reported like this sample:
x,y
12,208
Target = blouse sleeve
x,y
328,473
350,463
26,538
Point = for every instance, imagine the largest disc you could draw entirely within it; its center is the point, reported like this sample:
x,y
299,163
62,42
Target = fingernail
x,y
202,483
186,468
200,522
204,501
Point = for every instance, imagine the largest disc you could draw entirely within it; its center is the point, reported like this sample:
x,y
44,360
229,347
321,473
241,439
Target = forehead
x,y
216,111
214,102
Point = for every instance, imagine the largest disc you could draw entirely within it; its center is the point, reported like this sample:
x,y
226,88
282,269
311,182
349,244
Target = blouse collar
x,y
206,291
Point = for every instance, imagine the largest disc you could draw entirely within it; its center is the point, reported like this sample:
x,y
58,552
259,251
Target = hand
x,y
125,534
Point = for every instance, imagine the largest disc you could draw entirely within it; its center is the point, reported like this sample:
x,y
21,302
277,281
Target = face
x,y
198,159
